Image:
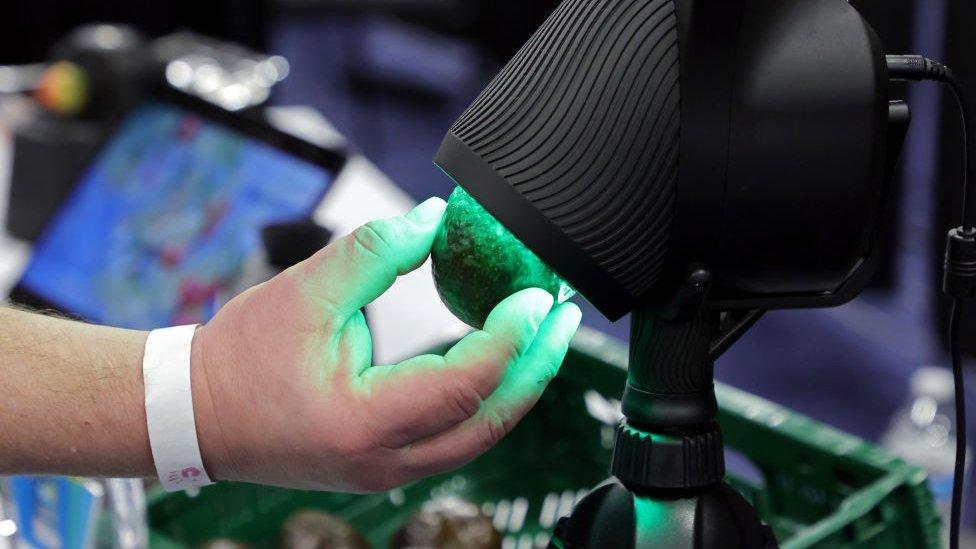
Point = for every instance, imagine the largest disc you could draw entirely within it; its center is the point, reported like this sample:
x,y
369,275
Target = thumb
x,y
358,268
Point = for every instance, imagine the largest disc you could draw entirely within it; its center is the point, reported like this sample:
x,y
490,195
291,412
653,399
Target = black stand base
x,y
714,518
668,464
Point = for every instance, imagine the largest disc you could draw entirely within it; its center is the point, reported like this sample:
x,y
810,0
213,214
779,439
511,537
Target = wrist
x,y
171,417
210,434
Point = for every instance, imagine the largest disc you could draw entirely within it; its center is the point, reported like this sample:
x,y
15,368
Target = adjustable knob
x,y
643,460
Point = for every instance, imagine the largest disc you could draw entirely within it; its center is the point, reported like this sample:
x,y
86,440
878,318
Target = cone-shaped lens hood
x,y
630,140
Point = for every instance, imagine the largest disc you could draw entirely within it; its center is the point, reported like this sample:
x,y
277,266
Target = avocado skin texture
x,y
478,263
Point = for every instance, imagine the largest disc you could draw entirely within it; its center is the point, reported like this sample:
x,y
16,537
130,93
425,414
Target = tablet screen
x,y
162,221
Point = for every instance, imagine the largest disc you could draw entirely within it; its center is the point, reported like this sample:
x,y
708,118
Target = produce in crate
x,y
448,523
319,530
223,543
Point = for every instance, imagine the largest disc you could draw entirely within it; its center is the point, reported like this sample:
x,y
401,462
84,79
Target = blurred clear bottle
x,y
923,432
127,498
8,527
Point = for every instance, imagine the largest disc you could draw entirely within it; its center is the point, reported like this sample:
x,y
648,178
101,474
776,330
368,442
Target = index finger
x,y
358,268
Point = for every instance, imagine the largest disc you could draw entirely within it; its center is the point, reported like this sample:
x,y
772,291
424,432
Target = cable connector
x,y
917,68
959,277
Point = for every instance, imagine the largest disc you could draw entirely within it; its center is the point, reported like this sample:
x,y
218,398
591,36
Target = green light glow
x,y
664,523
635,432
652,515
478,262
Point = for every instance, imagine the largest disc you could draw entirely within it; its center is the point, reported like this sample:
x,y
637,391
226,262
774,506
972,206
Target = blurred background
x,y
382,80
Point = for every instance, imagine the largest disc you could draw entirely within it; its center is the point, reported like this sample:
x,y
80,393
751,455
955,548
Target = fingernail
x,y
574,316
429,211
567,317
542,302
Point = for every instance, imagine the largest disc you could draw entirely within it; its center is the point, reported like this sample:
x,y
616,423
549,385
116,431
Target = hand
x,y
285,392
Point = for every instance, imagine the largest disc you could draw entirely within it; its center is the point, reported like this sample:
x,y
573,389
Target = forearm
x,y
71,398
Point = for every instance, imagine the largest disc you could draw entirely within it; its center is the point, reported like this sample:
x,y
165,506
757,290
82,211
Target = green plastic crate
x,y
816,486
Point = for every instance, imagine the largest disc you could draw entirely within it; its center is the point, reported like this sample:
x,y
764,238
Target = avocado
x,y
478,263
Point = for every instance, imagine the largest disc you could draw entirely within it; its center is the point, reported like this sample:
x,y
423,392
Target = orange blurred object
x,y
64,88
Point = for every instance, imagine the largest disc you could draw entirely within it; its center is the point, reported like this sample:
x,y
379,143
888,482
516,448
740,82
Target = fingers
x,y
520,390
428,395
355,270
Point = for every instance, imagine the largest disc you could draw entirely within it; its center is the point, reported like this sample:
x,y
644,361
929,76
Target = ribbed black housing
x,y
692,460
670,379
583,125
673,356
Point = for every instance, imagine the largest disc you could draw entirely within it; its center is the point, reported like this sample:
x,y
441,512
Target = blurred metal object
x,y
97,71
118,59
20,78
97,38
225,74
87,40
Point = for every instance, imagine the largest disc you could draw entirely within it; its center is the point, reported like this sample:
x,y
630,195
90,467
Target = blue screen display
x,y
163,220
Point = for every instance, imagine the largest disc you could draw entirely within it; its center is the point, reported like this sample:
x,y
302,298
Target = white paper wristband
x,y
169,409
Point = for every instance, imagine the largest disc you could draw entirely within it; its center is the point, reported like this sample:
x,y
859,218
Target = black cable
x,y
959,279
918,68
969,139
955,329
956,265
955,319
